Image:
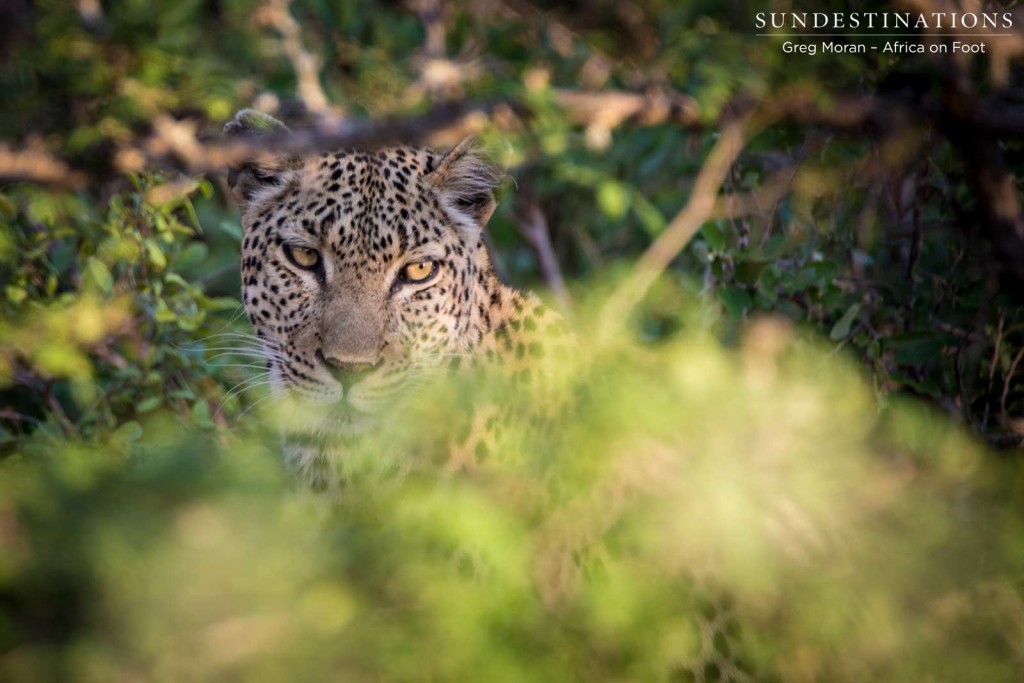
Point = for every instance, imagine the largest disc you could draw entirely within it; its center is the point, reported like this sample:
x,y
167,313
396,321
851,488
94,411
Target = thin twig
x,y
532,225
992,365
18,417
1006,382
57,410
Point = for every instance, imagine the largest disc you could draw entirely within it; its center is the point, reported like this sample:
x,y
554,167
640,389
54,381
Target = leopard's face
x,y
358,273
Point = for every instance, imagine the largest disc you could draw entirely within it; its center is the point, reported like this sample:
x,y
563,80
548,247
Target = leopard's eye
x,y
419,271
307,259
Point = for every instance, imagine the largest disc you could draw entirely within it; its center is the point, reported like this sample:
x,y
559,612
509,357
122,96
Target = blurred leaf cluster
x,y
847,539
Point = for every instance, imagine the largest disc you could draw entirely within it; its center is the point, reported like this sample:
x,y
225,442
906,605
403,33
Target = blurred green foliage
x,y
856,544
754,426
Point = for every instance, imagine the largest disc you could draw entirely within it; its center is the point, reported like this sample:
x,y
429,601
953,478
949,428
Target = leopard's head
x,y
361,270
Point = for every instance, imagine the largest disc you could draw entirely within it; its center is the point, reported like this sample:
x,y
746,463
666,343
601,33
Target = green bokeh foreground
x,y
858,541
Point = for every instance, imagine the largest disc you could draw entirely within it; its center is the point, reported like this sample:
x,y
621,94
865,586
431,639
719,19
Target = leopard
x,y
363,270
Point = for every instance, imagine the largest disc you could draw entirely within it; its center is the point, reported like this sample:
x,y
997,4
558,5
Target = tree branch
x,y
683,227
176,144
532,225
275,13
36,164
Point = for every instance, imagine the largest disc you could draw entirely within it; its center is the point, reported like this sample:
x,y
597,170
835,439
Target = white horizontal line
x,y
890,35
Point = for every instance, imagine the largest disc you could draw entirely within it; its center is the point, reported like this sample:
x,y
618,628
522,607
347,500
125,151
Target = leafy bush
x,y
101,314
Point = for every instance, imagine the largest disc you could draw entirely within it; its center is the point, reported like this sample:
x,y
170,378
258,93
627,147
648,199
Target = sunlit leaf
x,y
842,327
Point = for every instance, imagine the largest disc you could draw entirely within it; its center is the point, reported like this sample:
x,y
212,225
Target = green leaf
x,y
127,433
735,299
652,220
765,299
190,323
15,294
768,278
775,245
825,272
163,314
613,198
842,327
193,255
200,414
232,229
714,236
148,404
191,210
98,276
156,255
748,269
62,256
222,303
175,279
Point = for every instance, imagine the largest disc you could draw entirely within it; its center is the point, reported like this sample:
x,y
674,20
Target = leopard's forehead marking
x,y
366,208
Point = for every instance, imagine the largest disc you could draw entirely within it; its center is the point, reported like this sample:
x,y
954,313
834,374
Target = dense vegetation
x,y
815,405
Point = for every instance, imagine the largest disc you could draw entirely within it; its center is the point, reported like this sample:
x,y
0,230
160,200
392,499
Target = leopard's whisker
x,y
248,343
265,354
238,334
271,398
253,366
259,380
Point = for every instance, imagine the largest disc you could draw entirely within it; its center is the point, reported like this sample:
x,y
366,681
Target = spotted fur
x,y
351,333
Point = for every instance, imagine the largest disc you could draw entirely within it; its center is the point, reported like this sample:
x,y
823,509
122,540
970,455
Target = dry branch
x,y
175,143
602,112
36,164
435,27
532,225
276,15
684,226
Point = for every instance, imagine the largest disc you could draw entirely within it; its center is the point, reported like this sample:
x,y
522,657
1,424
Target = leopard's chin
x,y
346,421
321,422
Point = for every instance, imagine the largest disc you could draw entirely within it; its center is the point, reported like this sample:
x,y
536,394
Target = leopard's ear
x,y
465,183
263,170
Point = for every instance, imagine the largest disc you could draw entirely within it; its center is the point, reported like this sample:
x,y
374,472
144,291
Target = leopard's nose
x,y
347,374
